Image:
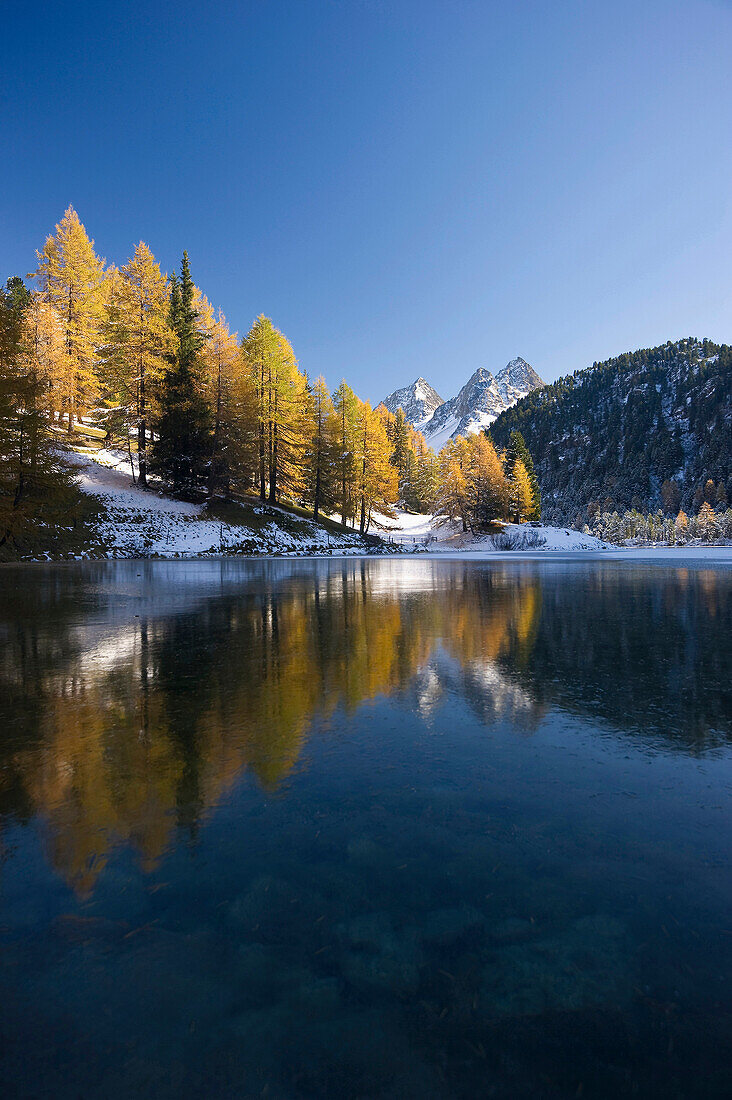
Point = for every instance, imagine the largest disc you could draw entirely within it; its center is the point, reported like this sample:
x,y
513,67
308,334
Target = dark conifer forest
x,y
648,429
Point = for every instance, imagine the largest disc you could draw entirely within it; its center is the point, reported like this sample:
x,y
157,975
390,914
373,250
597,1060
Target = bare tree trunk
x,y
216,433
363,495
262,478
273,467
262,472
316,501
343,465
132,464
142,434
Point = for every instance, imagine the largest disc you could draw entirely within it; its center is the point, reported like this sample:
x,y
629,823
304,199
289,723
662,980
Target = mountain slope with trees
x,y
648,429
139,361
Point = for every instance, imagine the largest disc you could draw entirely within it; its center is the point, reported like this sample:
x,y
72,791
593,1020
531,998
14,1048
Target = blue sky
x,y
406,188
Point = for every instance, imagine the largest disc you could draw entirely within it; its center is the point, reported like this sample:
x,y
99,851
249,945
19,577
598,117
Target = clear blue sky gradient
x,y
406,187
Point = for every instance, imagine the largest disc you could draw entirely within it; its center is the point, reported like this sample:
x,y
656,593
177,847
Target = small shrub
x,y
518,540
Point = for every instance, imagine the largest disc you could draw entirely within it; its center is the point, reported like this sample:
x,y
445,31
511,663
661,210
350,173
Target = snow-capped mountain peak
x,y
519,375
417,401
476,406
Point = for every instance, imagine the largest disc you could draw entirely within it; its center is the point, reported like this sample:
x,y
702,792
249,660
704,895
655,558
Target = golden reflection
x,y
127,718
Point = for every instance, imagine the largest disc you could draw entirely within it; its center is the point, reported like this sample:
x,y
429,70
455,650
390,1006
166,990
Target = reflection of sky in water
x,y
369,828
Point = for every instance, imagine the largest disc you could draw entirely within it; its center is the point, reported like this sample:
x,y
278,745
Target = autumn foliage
x,y
145,357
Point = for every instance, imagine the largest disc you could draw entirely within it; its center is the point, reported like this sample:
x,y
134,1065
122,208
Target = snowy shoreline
x,y
705,556
139,524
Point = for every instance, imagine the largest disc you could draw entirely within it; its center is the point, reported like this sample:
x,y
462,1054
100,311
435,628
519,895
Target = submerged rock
x,y
444,927
343,1053
376,956
365,851
265,975
586,967
512,929
373,931
275,911
316,995
262,902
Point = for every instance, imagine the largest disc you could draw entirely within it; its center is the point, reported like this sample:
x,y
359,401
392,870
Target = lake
x,y
365,828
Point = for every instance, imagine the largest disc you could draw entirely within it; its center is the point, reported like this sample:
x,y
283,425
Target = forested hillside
x,y
647,429
141,363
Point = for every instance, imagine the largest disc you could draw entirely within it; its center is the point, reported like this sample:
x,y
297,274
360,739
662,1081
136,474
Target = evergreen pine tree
x,y
400,441
517,450
181,451
427,475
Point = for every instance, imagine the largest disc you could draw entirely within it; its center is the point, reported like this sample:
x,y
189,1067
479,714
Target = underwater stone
x,y
443,927
599,925
512,929
275,911
396,973
358,1053
257,972
364,850
317,995
584,968
369,930
376,956
265,895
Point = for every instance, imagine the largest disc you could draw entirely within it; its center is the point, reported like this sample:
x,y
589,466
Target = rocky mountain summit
x,y
417,402
483,397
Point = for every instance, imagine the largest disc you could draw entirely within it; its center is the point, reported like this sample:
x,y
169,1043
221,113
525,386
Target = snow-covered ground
x,y
412,529
145,523
420,532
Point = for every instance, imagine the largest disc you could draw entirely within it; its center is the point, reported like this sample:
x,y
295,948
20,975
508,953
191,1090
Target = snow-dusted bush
x,y
518,540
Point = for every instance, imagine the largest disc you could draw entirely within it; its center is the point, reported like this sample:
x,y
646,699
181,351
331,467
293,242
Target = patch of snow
x,y
439,438
425,530
145,523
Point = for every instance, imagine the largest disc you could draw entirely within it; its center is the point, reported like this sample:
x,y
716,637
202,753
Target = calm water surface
x,y
372,829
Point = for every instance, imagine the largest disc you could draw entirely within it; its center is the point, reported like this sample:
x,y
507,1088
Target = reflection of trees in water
x,y
642,649
136,695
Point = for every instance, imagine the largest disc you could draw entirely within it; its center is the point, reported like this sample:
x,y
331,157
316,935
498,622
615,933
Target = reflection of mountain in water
x,y
135,695
492,694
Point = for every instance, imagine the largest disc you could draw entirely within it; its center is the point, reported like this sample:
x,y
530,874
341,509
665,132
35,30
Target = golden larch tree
x,y
451,498
282,401
136,343
231,397
378,482
70,275
346,405
522,498
321,468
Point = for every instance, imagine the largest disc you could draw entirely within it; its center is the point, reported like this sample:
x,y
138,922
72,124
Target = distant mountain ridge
x,y
612,434
483,397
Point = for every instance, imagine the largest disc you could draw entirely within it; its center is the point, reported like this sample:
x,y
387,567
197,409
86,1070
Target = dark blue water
x,y
365,829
